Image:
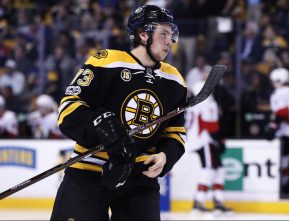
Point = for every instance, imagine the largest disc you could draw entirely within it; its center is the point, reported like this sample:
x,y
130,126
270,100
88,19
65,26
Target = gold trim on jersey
x,y
69,110
142,158
92,166
69,98
82,149
103,154
171,73
86,166
113,59
175,129
116,58
98,168
176,137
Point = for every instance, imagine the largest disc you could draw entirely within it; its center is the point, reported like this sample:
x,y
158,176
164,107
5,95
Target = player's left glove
x,y
270,130
220,145
218,142
116,175
121,162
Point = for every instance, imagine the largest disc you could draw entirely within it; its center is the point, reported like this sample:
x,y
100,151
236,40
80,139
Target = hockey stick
x,y
214,77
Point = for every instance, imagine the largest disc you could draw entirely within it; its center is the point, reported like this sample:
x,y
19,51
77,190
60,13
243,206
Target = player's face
x,y
162,41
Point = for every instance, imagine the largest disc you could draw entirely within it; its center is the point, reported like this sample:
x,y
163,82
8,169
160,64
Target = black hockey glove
x,y
270,130
218,142
272,126
220,145
115,176
121,162
119,146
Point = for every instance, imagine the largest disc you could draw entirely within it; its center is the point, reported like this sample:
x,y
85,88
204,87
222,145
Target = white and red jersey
x,y
279,102
8,125
44,127
201,120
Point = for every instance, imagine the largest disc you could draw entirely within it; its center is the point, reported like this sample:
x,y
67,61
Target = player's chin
x,y
162,56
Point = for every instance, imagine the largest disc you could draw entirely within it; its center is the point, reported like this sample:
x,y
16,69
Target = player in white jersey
x,y
8,121
43,121
279,124
203,136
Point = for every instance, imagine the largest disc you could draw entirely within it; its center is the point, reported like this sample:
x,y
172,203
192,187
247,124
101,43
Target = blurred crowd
x,y
43,43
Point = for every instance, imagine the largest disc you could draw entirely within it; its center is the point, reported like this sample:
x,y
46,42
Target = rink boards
x,y
252,177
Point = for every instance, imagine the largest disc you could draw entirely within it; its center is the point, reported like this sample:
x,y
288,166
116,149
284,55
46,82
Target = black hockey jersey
x,y
117,81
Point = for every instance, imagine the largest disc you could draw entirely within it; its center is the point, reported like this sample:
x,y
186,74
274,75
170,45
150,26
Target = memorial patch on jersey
x,y
125,75
101,54
140,107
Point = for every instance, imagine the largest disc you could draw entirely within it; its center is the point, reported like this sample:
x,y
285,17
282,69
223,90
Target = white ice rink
x,y
45,215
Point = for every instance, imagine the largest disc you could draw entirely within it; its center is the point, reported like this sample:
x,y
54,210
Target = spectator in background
x,y
185,12
279,16
279,124
224,94
251,46
204,137
8,121
59,68
4,51
118,40
199,72
12,77
256,90
272,40
254,10
269,61
284,57
43,121
13,102
23,62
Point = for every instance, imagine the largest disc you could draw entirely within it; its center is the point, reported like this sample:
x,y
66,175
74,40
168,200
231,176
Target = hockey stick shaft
x,y
214,77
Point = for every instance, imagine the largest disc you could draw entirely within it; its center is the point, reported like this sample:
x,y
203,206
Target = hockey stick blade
x,y
214,77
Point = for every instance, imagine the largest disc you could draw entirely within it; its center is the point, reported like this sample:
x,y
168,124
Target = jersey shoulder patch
x,y
107,57
100,54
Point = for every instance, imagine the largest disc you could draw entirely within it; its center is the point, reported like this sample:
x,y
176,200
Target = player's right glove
x,y
270,130
218,142
111,133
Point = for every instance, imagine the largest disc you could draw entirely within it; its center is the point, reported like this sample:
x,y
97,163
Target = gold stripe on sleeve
x,y
67,111
175,129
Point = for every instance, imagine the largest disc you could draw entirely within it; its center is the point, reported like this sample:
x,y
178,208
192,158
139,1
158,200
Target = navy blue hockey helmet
x,y
147,17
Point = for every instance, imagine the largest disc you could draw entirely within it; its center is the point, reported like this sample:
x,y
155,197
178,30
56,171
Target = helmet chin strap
x,y
148,48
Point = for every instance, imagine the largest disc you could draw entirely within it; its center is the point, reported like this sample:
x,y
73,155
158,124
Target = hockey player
x,y
43,121
203,136
116,91
279,124
8,121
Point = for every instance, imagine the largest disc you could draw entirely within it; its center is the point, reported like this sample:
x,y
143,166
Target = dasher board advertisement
x,y
252,172
24,159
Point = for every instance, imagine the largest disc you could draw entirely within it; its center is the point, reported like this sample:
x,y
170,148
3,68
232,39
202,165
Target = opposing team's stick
x,y
214,77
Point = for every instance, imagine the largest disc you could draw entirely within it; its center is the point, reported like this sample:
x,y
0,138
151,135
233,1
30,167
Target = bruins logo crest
x,y
141,107
101,54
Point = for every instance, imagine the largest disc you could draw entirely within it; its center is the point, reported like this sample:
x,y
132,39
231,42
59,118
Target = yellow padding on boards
x,y
26,203
176,206
240,206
